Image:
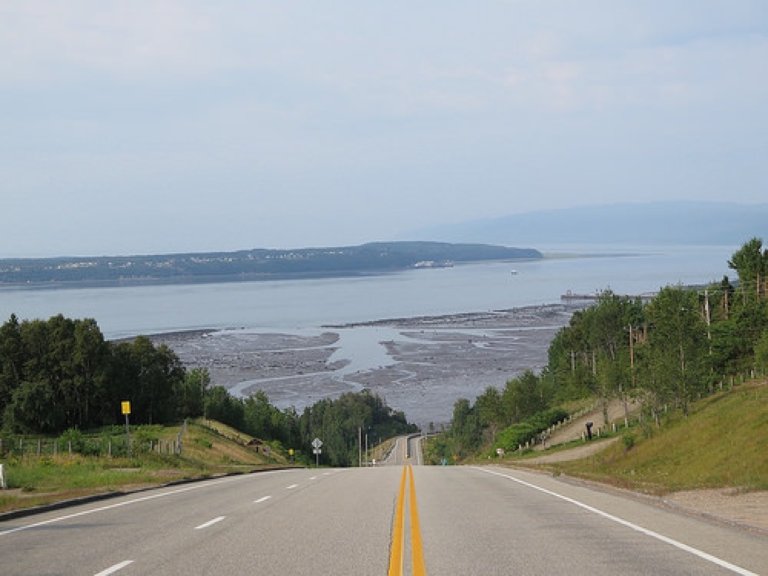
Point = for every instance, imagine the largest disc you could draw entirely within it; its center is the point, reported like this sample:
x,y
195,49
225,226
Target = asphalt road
x,y
465,520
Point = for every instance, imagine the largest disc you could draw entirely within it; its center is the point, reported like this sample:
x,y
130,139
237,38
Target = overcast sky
x,y
144,126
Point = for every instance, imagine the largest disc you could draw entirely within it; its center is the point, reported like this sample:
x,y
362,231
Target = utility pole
x,y
360,446
706,313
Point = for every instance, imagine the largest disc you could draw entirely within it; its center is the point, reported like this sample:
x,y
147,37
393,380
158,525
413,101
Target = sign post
x,y
316,445
125,407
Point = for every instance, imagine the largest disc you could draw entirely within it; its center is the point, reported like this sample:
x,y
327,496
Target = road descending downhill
x,y
385,520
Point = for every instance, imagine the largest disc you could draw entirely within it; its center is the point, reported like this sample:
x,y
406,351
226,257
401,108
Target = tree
x,y
221,406
522,397
761,354
192,391
676,349
149,377
751,264
11,361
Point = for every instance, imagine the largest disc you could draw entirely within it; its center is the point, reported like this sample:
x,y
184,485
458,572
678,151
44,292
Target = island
x,y
250,265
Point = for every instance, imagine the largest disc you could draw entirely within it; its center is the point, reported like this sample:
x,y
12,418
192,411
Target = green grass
x,y
723,443
34,480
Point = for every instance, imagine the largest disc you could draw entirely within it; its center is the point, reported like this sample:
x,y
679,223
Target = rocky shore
x,y
419,365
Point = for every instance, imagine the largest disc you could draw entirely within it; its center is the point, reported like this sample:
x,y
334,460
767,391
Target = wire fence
x,y
105,445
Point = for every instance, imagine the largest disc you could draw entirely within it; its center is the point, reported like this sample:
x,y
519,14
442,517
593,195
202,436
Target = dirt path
x,y
574,429
588,449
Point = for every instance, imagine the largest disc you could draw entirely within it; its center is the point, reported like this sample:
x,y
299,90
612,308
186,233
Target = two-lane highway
x,y
459,520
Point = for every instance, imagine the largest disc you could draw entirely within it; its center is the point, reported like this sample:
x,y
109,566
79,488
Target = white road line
x,y
313,477
690,549
115,568
210,523
154,496
262,499
292,486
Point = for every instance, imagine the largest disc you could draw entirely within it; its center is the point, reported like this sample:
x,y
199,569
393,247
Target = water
x,y
299,304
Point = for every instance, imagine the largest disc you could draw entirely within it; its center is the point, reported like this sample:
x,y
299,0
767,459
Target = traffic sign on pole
x,y
316,445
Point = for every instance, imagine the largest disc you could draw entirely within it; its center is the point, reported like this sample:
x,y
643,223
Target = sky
x,y
157,126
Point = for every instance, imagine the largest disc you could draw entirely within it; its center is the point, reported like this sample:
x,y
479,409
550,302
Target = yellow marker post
x,y
125,407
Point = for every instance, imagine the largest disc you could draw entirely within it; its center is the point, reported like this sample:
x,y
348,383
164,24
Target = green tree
x,y
149,377
522,397
676,350
751,264
761,354
192,391
221,406
11,361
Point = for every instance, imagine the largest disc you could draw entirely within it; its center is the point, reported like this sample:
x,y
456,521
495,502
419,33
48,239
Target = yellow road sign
x,y
126,406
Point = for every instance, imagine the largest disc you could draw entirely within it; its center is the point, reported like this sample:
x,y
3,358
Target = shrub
x,y
628,438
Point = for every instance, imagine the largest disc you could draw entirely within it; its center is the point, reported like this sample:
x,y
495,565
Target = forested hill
x,y
257,264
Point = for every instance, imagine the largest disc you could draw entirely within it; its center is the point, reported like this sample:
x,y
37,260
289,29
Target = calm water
x,y
297,304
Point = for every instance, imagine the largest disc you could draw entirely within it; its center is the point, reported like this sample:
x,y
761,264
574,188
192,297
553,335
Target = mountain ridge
x,y
673,222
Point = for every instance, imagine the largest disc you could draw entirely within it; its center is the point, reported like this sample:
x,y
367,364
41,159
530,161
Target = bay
x,y
310,303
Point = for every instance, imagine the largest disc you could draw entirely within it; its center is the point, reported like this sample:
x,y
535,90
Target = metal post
x,y
128,434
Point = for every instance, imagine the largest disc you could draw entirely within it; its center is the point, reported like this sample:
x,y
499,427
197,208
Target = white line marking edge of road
x,y
115,568
164,493
690,549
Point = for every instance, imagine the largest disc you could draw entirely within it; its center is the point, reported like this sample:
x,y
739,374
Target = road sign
x,y
126,407
316,443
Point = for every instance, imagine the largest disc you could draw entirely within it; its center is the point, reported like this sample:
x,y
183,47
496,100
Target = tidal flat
x,y
419,365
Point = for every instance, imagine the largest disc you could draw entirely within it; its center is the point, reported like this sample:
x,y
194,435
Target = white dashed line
x,y
210,523
115,568
292,486
262,499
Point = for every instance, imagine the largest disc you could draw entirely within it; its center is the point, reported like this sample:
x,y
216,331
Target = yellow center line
x,y
417,549
396,556
398,532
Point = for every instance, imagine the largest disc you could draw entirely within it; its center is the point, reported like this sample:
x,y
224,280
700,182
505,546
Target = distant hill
x,y
257,264
703,223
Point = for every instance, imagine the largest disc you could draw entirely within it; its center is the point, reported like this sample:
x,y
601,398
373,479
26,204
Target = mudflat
x,y
419,365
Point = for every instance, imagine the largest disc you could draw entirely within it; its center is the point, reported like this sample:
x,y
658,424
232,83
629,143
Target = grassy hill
x,y
209,449
723,443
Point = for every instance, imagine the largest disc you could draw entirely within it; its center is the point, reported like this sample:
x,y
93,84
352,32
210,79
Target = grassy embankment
x,y
207,451
722,443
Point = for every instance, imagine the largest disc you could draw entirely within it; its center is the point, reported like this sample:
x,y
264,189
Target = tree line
x,y
679,346
61,374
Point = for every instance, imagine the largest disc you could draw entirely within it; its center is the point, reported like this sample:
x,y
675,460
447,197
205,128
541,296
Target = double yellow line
x,y
396,554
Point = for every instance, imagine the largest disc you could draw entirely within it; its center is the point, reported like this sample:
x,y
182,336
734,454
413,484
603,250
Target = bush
x,y
628,438
72,438
512,437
